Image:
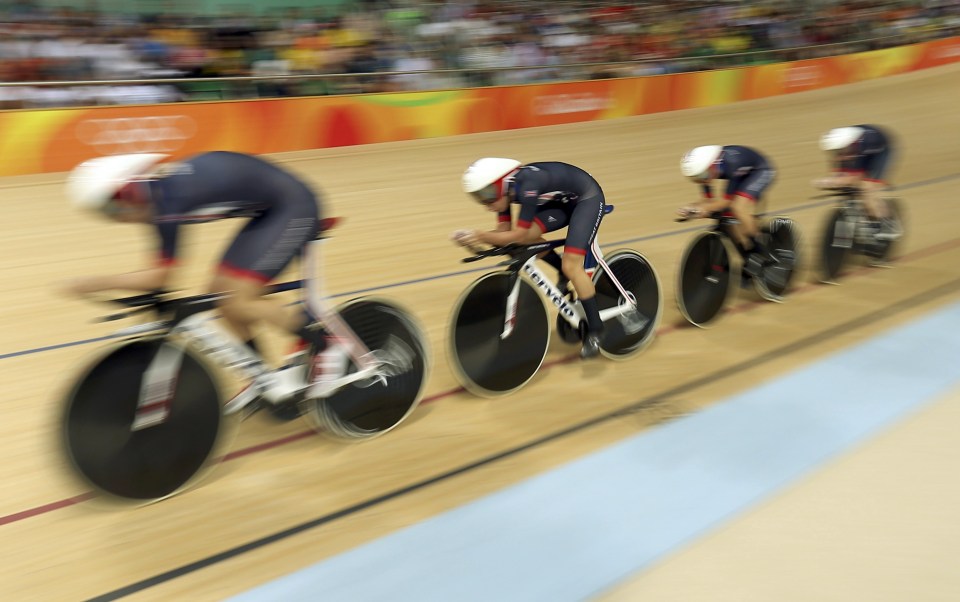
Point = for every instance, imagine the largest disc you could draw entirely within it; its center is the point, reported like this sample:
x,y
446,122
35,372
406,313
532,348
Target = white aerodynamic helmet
x,y
839,138
696,162
92,184
483,180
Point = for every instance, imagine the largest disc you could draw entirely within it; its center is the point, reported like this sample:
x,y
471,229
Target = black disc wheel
x,y
152,462
634,326
487,360
370,407
782,239
707,274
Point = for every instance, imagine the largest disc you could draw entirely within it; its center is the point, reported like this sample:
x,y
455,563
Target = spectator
x,y
42,44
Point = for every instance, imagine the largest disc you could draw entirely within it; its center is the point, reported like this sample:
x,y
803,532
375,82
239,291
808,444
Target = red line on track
x,y
37,511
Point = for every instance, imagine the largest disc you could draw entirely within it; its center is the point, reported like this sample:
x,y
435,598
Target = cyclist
x,y
551,195
748,174
283,217
860,158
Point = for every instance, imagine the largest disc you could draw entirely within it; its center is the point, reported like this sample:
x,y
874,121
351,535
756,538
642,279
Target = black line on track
x,y
809,341
664,234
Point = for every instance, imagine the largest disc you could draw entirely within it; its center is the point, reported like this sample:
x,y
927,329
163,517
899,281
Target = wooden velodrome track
x,y
400,202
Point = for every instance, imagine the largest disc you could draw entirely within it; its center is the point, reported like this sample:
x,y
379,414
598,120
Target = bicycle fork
x,y
626,310
394,358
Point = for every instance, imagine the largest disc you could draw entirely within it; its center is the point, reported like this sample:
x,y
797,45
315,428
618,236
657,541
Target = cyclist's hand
x,y
687,212
832,182
79,287
464,238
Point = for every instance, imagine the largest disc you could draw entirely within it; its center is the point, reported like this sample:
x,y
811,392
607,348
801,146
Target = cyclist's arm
x,y
499,238
526,231
707,203
706,206
840,179
150,279
847,170
504,220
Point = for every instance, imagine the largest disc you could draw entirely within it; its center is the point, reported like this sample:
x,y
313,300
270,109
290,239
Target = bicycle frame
x,y
572,312
159,380
726,225
331,319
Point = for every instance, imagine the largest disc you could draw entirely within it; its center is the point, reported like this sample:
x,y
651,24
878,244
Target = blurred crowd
x,y
426,45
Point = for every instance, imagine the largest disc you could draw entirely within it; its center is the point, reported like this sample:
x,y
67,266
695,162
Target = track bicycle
x,y
713,261
500,330
147,416
849,231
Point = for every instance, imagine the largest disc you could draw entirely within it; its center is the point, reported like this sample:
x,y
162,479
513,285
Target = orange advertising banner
x,y
940,52
53,140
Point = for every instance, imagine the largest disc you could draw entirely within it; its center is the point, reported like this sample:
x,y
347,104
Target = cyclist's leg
x,y
745,202
745,235
584,222
263,249
243,308
549,218
245,304
744,207
874,183
746,231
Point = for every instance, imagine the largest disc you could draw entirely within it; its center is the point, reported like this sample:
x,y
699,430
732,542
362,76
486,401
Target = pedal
x,y
591,347
287,409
